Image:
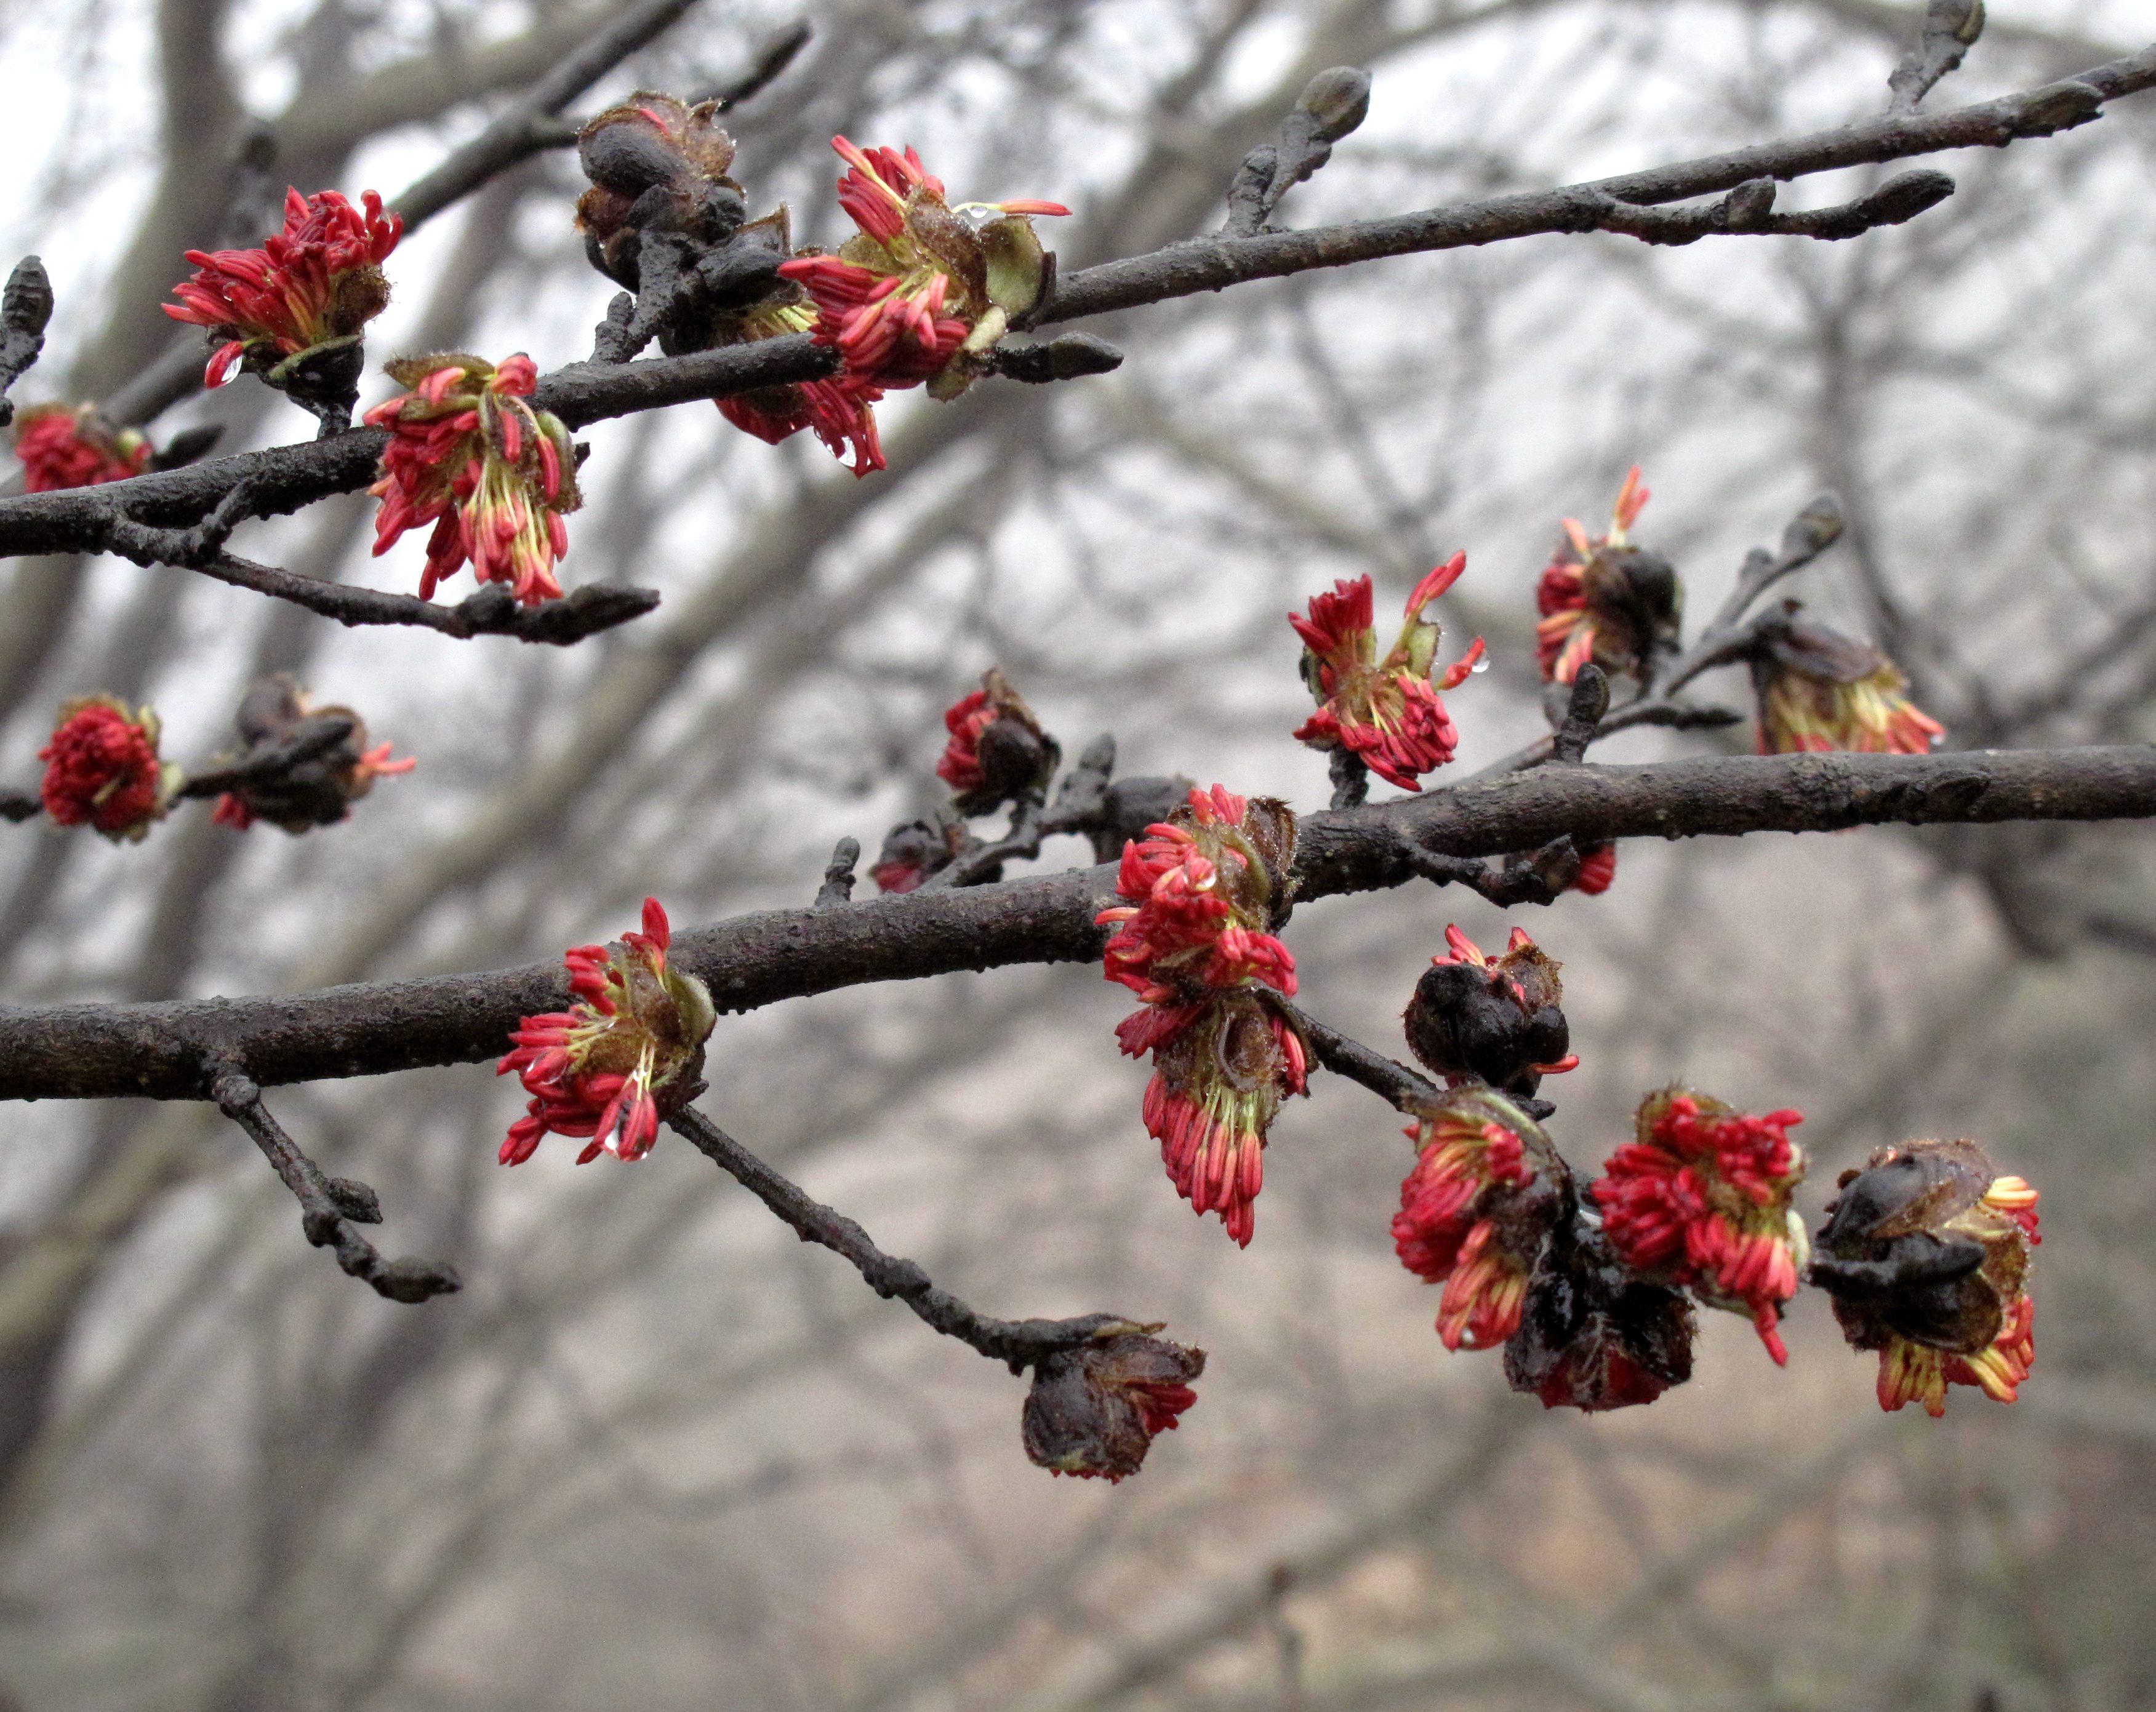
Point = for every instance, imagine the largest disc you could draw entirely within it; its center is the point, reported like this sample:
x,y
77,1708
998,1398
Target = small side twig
x,y
1351,779
769,65
838,887
331,1209
1331,105
25,308
1018,1343
1405,1090
985,863
491,610
1582,716
1950,28
1539,876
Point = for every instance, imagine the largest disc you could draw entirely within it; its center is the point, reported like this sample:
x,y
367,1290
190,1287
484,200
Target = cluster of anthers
x,y
1388,713
311,286
1195,939
923,290
1701,1199
627,1052
495,475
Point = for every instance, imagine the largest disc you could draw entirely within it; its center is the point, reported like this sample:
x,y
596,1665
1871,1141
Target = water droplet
x,y
1481,665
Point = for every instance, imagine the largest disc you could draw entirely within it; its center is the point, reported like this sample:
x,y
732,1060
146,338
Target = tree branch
x,y
1020,1343
167,1051
331,1209
289,477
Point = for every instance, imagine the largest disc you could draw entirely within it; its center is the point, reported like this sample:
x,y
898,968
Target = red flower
x,y
840,411
318,281
1597,869
1388,713
997,750
1604,600
101,768
921,291
1702,1200
1093,1411
628,1052
1474,1211
494,476
70,447
1195,942
1926,1254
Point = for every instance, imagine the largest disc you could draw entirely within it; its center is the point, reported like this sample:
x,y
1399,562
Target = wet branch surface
x,y
1019,1342
168,1050
285,478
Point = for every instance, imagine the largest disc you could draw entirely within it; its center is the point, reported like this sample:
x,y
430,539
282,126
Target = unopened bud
x,y
1093,1411
1337,100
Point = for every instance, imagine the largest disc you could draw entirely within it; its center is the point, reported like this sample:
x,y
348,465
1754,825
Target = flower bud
x,y
1606,600
1820,690
998,752
1093,1411
1498,1020
1593,1334
915,851
273,715
655,164
1926,1254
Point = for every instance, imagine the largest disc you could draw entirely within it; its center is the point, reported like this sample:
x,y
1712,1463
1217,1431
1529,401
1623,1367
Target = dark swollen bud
x,y
1500,1020
998,752
1594,1336
1926,1255
1093,1411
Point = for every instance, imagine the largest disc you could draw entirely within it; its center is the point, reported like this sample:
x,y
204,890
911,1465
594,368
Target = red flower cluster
x,y
921,292
63,446
1474,1211
1595,605
1598,869
627,1053
1701,1199
997,750
101,769
494,476
839,412
1194,942
1388,713
317,282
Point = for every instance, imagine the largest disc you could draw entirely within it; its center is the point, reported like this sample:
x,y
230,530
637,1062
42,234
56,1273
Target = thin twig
x,y
331,1209
491,610
1020,1343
